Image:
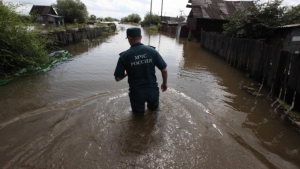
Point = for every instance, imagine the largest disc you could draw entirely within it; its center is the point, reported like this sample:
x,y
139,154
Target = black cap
x,y
133,32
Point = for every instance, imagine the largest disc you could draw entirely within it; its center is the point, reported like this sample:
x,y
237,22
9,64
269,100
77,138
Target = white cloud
x,y
170,7
122,8
290,2
103,4
131,5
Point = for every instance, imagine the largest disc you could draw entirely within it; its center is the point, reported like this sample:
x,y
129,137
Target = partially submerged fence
x,y
169,29
64,38
279,70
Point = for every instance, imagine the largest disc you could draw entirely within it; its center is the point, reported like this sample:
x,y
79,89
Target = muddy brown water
x,y
77,116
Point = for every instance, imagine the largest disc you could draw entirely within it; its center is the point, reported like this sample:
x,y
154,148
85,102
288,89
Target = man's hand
x,y
164,74
164,87
121,78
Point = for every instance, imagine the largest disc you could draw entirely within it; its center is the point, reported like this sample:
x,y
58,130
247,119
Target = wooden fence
x,y
64,38
274,68
168,29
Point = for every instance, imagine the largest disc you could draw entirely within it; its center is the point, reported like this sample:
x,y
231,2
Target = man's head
x,y
133,35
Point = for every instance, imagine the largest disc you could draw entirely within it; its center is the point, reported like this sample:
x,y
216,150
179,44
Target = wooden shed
x,y
174,25
287,38
210,15
46,15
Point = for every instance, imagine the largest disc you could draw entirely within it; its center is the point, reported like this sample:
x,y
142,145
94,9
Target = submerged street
x,y
77,116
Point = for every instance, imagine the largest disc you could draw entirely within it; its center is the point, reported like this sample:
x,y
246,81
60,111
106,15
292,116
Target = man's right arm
x,y
164,74
120,78
120,72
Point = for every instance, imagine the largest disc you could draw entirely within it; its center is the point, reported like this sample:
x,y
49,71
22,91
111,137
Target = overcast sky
x,y
122,8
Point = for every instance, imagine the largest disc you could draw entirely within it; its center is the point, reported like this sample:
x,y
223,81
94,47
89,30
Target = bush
x,y
19,46
154,28
155,20
110,19
133,18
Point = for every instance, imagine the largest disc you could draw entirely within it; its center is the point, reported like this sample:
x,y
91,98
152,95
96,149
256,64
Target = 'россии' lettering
x,y
140,62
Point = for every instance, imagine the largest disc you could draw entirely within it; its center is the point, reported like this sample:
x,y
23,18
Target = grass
x,y
286,107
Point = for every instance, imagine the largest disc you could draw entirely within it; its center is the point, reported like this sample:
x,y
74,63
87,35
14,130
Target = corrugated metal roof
x,y
289,26
55,16
217,9
42,10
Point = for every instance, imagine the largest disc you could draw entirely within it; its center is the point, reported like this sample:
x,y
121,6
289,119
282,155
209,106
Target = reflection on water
x,y
77,116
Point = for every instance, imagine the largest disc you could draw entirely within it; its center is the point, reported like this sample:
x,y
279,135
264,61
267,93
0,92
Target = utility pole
x,y
162,4
150,12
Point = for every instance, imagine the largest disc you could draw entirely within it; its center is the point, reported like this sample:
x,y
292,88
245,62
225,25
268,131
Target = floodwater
x,y
77,116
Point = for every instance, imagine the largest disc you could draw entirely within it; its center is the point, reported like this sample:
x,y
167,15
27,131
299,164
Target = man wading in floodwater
x,y
138,62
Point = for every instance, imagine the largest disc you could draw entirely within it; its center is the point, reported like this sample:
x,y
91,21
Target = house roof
x,y
173,19
55,16
216,9
42,10
289,26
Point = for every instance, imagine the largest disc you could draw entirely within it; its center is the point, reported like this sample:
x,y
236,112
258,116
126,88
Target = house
x,y
46,15
210,15
287,38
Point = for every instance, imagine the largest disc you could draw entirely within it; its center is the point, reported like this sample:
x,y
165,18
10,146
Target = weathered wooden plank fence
x,y
168,29
274,68
64,38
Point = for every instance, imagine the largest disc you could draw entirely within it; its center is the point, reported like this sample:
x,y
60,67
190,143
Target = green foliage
x,y
57,57
153,20
20,47
256,21
110,19
93,17
154,28
236,24
108,31
133,18
72,10
100,19
292,15
293,114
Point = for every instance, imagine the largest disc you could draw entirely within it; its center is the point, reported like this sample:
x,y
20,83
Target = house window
x,y
295,38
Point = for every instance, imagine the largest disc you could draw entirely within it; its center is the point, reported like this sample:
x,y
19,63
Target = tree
x,y
93,17
292,15
72,10
155,19
110,19
100,19
257,21
135,18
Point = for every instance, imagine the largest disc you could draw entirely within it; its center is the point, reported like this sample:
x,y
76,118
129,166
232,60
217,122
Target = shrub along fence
x,y
274,68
